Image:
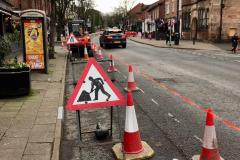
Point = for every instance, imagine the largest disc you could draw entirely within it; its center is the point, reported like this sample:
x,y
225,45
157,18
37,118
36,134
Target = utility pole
x,y
177,29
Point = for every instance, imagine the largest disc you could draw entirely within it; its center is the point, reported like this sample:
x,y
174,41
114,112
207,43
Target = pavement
x,y
31,126
184,44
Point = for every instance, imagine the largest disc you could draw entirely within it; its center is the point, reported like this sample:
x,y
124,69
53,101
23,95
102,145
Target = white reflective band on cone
x,y
131,120
210,138
130,77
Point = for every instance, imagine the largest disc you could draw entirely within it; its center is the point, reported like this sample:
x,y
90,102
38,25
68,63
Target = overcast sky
x,y
106,6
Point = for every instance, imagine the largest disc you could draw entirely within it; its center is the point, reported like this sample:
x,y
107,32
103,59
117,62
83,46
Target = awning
x,y
5,12
9,13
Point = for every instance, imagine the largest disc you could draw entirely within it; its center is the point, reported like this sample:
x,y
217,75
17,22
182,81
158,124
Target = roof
x,y
154,5
6,7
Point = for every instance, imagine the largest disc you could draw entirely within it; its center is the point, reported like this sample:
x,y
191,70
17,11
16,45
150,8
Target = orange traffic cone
x,y
132,147
131,138
85,58
111,67
210,146
99,54
131,86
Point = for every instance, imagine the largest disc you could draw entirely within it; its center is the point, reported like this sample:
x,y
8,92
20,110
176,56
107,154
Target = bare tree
x,y
120,15
126,5
84,8
61,7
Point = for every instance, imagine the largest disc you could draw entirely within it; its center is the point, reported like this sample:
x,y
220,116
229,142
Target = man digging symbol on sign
x,y
98,83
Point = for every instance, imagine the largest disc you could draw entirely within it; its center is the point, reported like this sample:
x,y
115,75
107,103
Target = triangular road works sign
x,y
72,39
94,89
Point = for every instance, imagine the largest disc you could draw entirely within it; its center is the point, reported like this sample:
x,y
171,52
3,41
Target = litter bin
x,y
176,39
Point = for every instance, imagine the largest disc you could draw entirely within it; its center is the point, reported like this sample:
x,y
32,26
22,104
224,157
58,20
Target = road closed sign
x,y
94,89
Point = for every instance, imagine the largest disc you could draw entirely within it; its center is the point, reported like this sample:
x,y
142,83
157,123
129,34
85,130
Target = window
x,y
173,6
167,8
186,17
203,16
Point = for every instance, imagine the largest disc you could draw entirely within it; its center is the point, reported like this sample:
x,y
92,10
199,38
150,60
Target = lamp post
x,y
177,29
222,5
177,35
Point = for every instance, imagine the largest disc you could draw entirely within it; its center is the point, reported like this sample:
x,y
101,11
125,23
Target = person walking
x,y
167,37
98,84
234,41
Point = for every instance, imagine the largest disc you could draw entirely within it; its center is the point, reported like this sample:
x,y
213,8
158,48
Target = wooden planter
x,y
14,82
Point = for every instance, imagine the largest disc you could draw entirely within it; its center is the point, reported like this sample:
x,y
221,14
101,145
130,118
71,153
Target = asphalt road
x,y
177,86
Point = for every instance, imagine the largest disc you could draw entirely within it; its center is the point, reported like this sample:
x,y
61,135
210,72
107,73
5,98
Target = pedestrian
x,y
234,41
167,36
98,84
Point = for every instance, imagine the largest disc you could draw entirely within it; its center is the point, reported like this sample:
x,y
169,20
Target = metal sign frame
x,y
78,113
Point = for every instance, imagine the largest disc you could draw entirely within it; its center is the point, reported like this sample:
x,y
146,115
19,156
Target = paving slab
x,y
36,157
11,143
38,148
42,133
11,154
17,133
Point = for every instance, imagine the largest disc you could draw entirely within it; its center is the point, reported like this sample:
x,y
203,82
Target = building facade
x,y
210,20
44,5
135,18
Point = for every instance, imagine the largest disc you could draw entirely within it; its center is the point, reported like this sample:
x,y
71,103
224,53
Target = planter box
x,y
14,82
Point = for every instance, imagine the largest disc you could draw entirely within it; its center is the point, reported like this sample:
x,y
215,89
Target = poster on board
x,y
33,34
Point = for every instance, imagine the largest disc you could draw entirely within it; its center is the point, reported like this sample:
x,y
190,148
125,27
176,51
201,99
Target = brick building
x,y
44,5
210,20
135,17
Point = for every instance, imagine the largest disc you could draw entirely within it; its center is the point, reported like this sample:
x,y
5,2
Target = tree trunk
x,y
52,30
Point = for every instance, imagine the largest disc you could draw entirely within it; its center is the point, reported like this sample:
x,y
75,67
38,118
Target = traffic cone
x,y
99,54
210,146
131,86
132,147
111,67
131,138
85,58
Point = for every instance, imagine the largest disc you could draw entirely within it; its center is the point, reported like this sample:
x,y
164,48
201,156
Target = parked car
x,y
112,37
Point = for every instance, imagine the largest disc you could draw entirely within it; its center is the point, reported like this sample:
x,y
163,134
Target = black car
x,y
113,37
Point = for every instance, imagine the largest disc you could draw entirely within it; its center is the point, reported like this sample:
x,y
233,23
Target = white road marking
x,y
198,138
170,115
174,159
60,112
141,90
154,102
125,77
175,119
237,61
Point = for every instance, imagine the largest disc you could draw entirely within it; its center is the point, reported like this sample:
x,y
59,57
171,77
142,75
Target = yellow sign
x,y
33,33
